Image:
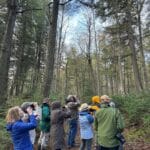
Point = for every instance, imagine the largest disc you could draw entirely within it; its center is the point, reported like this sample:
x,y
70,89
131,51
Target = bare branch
x,y
65,2
49,4
60,3
141,5
91,5
30,9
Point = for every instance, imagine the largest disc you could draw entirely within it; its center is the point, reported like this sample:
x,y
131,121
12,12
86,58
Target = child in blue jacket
x,y
86,130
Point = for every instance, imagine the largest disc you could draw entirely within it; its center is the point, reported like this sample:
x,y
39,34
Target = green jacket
x,y
45,120
108,122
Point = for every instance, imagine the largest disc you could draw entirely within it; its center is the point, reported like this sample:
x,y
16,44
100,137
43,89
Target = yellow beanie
x,y
96,99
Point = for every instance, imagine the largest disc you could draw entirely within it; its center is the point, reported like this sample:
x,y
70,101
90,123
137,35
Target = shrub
x,y
135,107
4,136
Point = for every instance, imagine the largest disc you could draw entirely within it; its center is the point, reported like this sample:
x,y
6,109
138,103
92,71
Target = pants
x,y
121,147
73,125
32,134
106,148
44,139
86,144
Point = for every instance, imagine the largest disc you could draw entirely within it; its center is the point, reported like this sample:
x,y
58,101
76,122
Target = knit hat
x,y
84,107
25,105
71,98
105,97
96,99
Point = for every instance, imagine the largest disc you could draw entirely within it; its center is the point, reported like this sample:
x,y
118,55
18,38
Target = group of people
x,y
100,122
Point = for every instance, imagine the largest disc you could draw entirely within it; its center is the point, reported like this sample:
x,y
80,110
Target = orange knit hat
x,y
96,99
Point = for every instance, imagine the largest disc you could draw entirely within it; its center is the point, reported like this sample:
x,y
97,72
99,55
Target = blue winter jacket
x,y
19,131
85,121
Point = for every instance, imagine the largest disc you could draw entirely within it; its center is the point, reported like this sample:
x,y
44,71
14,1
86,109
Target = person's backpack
x,y
45,113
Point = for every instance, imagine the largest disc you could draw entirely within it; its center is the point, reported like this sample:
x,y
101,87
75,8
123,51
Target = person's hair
x,y
13,114
46,100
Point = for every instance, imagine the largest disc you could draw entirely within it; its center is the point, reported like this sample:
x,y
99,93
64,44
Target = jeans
x,y
121,147
73,125
106,148
86,144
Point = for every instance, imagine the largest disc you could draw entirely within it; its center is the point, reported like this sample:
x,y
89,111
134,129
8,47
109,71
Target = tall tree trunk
x,y
89,59
97,44
131,38
141,48
106,85
66,79
59,51
111,85
37,65
6,50
51,50
121,91
120,69
17,83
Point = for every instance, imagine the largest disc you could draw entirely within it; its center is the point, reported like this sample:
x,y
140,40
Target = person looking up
x,y
86,130
72,105
108,123
18,129
44,124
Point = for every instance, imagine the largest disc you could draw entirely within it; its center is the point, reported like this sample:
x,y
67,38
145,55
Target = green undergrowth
x,y
134,107
138,134
136,111
5,140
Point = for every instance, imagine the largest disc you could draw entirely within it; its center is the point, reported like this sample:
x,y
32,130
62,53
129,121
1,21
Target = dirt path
x,y
137,145
140,145
131,146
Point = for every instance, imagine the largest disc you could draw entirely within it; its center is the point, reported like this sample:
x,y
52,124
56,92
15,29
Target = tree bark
x,y
120,71
59,51
97,45
66,79
51,50
131,38
37,65
6,50
89,59
141,47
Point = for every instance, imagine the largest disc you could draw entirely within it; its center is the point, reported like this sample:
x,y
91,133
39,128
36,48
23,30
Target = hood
x,y
82,113
9,126
105,105
56,105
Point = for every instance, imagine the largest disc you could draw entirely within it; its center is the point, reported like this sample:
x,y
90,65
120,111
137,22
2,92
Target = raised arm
x,y
24,126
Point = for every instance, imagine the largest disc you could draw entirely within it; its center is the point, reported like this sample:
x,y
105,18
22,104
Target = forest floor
x,y
136,145
129,145
139,144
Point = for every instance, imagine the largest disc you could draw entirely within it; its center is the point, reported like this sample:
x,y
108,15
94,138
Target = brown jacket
x,y
57,133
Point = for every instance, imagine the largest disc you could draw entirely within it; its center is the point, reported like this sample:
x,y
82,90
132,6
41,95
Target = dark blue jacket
x,y
19,131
